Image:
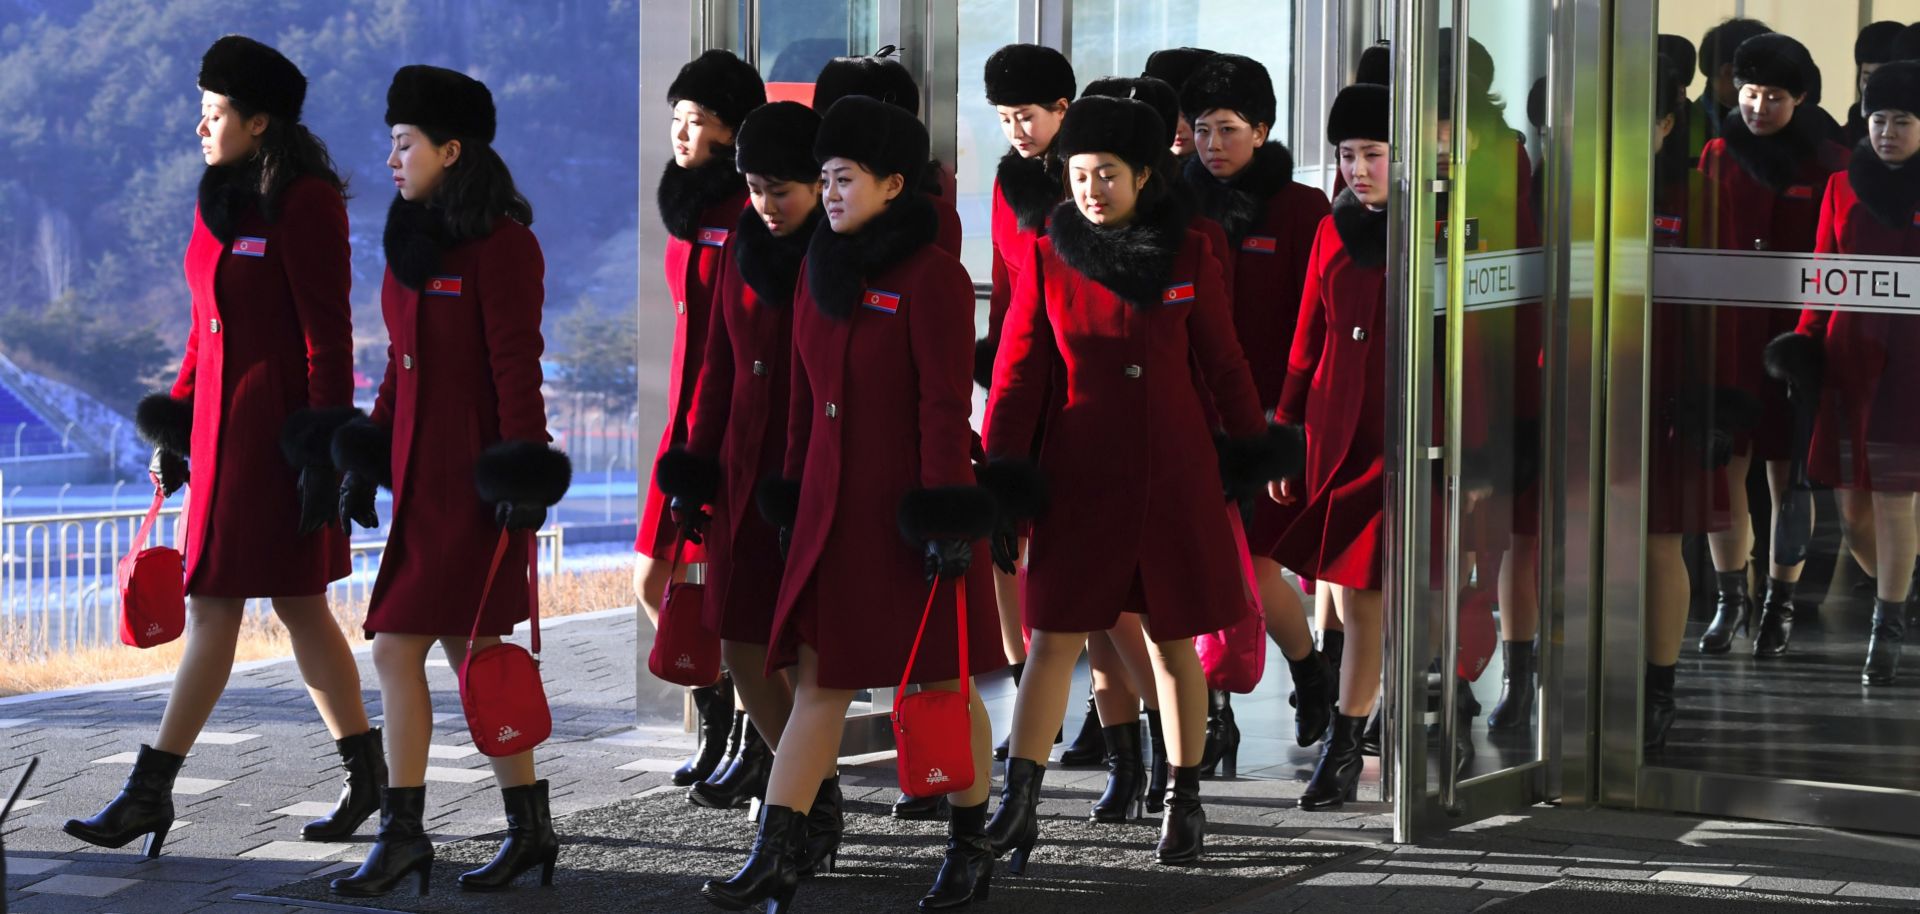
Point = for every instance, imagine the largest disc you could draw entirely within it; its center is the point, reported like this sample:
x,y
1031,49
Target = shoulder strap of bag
x,y
1247,571
533,589
146,526
493,570
960,615
673,570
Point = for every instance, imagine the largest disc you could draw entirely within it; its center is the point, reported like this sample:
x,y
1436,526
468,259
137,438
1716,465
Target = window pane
x,y
985,25
1114,37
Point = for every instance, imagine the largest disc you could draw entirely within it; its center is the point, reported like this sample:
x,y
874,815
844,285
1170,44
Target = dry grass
x,y
24,670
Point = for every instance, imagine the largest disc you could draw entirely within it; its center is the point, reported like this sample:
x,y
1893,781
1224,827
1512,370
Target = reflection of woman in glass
x,y
1765,172
1866,438
884,77
1172,66
1873,47
1336,387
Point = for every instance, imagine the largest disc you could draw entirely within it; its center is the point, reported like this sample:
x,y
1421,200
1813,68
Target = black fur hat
x,y
721,83
1773,60
1232,82
1893,86
1028,74
776,141
1375,65
1718,45
1875,42
1678,55
1360,112
442,100
1906,43
258,76
881,76
1154,91
1174,65
1126,127
882,137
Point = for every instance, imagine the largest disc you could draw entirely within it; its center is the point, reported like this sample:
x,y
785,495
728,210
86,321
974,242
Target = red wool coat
x,y
463,373
272,334
1685,495
879,409
1135,520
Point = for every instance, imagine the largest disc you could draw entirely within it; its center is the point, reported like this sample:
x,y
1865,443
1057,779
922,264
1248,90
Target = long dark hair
x,y
477,189
288,150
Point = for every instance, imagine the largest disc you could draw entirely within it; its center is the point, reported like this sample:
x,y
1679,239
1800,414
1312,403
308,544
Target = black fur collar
x,y
1777,161
226,193
1890,194
1135,261
685,193
416,236
1031,187
838,266
1237,203
1363,232
771,265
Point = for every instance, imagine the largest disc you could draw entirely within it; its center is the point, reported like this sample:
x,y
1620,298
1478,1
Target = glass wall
x,y
1114,37
985,25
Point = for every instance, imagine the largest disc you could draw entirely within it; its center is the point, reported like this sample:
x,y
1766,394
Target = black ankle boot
x,y
1222,749
1015,670
1016,826
1314,690
1776,620
1732,612
915,808
743,780
820,838
1883,647
1087,748
1156,762
144,806
1333,644
1658,711
401,850
1126,777
1183,831
1336,779
1514,710
714,703
1370,737
967,872
530,841
770,874
366,764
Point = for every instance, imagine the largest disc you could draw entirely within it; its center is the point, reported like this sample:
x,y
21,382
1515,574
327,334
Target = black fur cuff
x,y
522,473
1797,359
683,474
946,512
779,500
983,353
364,449
1016,485
307,437
1248,464
165,423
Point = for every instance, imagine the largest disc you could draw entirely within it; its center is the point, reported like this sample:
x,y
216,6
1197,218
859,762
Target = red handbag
x,y
153,587
684,651
1235,658
933,728
500,687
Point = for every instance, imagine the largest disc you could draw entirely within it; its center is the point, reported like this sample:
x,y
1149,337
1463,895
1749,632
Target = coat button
x,y
406,361
1359,335
680,307
760,369
833,411
214,325
1133,371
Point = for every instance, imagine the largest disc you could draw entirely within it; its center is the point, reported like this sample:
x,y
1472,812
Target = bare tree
x,y
53,251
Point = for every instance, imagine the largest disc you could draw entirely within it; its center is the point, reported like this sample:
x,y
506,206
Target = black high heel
x,y
1087,748
1883,647
1183,833
530,842
820,837
769,874
1658,711
714,703
1776,620
1314,691
401,850
1122,800
1016,825
1336,779
1223,736
967,872
1732,612
143,807
742,781
1156,793
366,762
1514,710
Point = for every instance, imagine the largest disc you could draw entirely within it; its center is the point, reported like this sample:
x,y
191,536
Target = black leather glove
x,y
1005,547
519,516
947,559
167,470
318,491
356,502
690,518
786,541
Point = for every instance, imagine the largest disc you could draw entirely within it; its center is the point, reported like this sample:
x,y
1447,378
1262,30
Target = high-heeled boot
x,y
402,848
1088,747
1126,778
1183,831
1156,763
1514,710
770,874
743,780
530,841
967,871
144,806
1370,738
1015,670
907,806
366,763
1016,825
1222,748
820,837
1732,612
1336,779
1883,647
1658,710
1776,620
1333,644
1314,690
714,704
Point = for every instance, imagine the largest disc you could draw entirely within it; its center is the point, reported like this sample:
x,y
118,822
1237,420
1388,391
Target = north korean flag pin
x,y
250,246
881,301
1260,244
445,286
1178,294
713,237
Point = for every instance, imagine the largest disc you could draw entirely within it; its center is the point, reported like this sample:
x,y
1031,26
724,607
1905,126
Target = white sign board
x,y
1764,279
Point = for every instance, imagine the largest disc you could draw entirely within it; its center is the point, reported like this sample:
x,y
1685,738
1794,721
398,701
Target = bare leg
x,y
768,700
1129,641
1519,586
650,584
811,744
1042,700
401,662
510,770
212,633
1668,588
1732,548
1360,611
1856,510
1893,513
1183,700
1779,482
1286,615
326,663
1006,590
1324,617
1113,696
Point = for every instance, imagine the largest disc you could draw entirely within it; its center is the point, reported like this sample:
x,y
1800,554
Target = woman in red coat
x,y
459,433
737,434
884,77
700,199
268,375
1121,301
1336,387
1243,179
877,497
1866,436
1766,172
